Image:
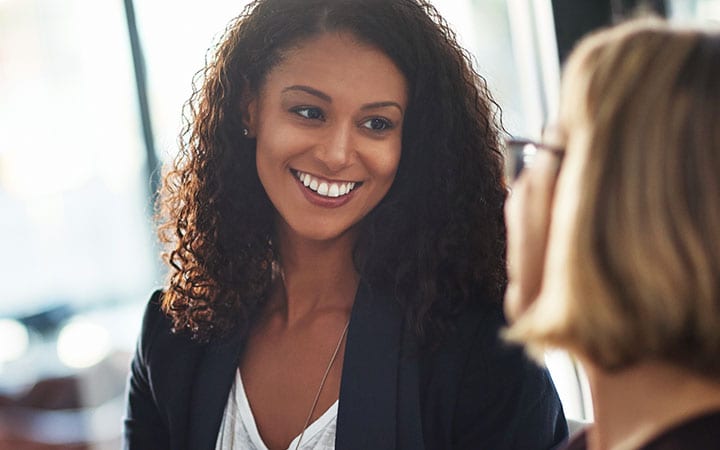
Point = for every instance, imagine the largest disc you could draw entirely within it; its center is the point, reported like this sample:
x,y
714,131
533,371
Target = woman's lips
x,y
324,187
323,192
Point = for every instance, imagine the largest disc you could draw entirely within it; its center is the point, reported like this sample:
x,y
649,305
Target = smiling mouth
x,y
326,188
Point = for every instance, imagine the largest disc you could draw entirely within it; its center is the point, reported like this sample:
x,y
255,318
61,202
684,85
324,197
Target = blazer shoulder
x,y
154,323
161,377
157,338
486,392
505,399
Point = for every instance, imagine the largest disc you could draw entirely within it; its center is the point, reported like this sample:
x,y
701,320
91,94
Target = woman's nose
x,y
336,152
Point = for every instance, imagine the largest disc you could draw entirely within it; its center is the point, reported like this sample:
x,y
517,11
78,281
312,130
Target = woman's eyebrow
x,y
327,98
382,105
309,90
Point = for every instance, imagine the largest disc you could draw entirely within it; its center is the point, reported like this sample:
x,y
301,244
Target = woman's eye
x,y
377,124
309,112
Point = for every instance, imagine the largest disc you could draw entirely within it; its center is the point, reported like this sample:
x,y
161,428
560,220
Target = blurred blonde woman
x,y
614,236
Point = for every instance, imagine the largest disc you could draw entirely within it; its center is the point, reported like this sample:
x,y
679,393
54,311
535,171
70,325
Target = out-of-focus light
x,y
14,340
82,344
709,10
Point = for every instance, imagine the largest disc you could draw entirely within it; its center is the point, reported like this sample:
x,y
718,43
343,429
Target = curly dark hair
x,y
436,241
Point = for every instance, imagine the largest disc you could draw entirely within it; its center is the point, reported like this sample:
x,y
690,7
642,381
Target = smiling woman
x,y
336,244
307,121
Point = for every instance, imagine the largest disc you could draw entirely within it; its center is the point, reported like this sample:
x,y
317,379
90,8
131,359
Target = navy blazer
x,y
473,392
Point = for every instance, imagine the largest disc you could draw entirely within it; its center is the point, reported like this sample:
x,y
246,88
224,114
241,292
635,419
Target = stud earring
x,y
245,132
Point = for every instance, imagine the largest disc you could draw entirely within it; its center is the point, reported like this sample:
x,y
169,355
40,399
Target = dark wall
x,y
575,18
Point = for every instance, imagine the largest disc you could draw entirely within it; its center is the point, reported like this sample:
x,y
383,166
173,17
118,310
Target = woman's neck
x,y
637,404
315,275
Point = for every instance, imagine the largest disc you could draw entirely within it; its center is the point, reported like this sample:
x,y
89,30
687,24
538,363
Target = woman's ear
x,y
250,114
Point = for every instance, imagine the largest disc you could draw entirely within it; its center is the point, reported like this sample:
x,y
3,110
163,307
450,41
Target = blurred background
x,y
91,94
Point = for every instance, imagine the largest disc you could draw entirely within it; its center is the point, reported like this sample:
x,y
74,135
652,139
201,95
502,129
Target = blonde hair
x,y
633,265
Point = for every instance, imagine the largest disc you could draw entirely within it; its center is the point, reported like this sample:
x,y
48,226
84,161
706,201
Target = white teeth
x,y
324,188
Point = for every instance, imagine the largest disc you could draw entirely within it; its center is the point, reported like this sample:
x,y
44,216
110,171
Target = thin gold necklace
x,y
322,383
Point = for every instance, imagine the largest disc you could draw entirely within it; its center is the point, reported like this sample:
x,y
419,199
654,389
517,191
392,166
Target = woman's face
x,y
328,123
528,213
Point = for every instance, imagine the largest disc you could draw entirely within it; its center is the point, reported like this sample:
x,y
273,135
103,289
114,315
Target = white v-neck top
x,y
238,430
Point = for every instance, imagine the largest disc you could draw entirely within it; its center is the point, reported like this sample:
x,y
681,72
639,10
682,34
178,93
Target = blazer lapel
x,y
213,379
368,391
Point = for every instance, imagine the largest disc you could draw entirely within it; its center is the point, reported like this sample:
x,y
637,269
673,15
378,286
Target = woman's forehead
x,y
341,64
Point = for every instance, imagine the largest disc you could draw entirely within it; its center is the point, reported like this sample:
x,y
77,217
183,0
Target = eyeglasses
x,y
522,152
